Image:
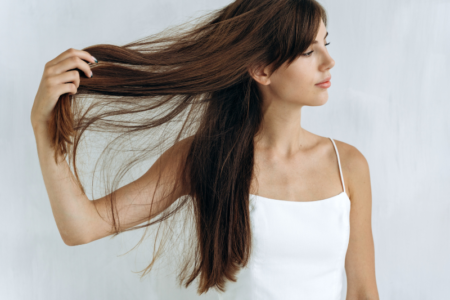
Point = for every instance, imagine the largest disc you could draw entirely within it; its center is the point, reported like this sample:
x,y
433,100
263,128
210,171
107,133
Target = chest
x,y
300,178
290,231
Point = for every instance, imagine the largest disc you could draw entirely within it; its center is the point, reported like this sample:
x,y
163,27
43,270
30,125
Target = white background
x,y
389,98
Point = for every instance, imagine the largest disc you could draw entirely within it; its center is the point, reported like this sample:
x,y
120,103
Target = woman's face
x,y
297,83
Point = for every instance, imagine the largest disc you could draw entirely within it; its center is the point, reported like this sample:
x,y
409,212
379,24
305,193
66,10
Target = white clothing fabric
x,y
299,249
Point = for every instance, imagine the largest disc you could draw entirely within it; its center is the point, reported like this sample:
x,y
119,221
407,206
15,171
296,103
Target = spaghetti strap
x,y
339,162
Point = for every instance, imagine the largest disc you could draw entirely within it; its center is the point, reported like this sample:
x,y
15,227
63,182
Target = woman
x,y
270,200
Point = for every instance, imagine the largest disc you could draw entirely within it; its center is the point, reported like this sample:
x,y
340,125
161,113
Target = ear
x,y
260,74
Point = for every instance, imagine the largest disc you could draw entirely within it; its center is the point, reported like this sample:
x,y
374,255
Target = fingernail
x,y
92,74
96,61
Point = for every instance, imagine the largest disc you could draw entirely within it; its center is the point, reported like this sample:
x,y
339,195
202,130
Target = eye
x,y
309,53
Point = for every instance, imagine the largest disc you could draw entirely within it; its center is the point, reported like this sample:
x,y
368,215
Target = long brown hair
x,y
196,79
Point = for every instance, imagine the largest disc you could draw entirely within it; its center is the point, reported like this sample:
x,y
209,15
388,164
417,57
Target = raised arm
x,y
78,221
76,216
134,199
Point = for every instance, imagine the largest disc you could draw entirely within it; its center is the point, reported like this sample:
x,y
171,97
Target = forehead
x,y
322,30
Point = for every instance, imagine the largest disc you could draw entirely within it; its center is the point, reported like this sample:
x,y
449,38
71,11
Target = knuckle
x,y
48,79
49,82
75,74
47,71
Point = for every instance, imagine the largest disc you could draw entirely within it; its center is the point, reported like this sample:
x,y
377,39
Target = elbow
x,y
72,242
69,242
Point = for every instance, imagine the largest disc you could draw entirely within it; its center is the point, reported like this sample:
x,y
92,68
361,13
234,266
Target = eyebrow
x,y
315,42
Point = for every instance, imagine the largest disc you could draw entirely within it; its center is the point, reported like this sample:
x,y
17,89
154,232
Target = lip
x,y
325,80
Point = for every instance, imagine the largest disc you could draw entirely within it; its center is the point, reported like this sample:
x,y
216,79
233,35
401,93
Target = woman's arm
x,y
360,259
70,206
76,216
133,200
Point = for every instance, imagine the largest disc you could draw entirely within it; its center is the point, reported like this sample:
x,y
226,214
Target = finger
x,y
70,63
68,77
69,88
84,55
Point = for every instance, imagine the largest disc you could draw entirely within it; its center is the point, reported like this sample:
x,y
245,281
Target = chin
x,y
319,101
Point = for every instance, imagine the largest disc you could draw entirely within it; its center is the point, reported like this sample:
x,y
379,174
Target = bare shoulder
x,y
355,169
174,157
360,257
150,189
180,148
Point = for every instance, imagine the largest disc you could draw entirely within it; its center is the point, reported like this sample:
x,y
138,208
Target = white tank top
x,y
299,249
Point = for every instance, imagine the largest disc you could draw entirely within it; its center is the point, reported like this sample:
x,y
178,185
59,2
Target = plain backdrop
x,y
389,98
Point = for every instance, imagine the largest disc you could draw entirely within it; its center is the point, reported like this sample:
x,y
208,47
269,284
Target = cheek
x,y
293,83
298,83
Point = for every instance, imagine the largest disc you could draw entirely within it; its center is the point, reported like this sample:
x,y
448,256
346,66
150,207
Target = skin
x,y
57,79
294,164
291,163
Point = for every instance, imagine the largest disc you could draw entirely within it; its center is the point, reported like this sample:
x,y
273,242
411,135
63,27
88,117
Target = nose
x,y
328,62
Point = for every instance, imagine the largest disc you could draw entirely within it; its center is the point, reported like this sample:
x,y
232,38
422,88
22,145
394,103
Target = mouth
x,y
325,80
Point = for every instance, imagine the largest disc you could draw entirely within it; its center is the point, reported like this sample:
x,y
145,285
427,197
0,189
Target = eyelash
x,y
309,53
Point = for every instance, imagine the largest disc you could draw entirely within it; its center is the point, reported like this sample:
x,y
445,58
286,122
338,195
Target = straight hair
x,y
195,79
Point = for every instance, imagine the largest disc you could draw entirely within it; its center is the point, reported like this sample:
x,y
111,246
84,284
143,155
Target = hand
x,y
60,76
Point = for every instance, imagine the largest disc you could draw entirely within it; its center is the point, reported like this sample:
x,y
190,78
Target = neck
x,y
281,132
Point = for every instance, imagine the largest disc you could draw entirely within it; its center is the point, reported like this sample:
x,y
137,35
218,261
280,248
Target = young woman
x,y
279,212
